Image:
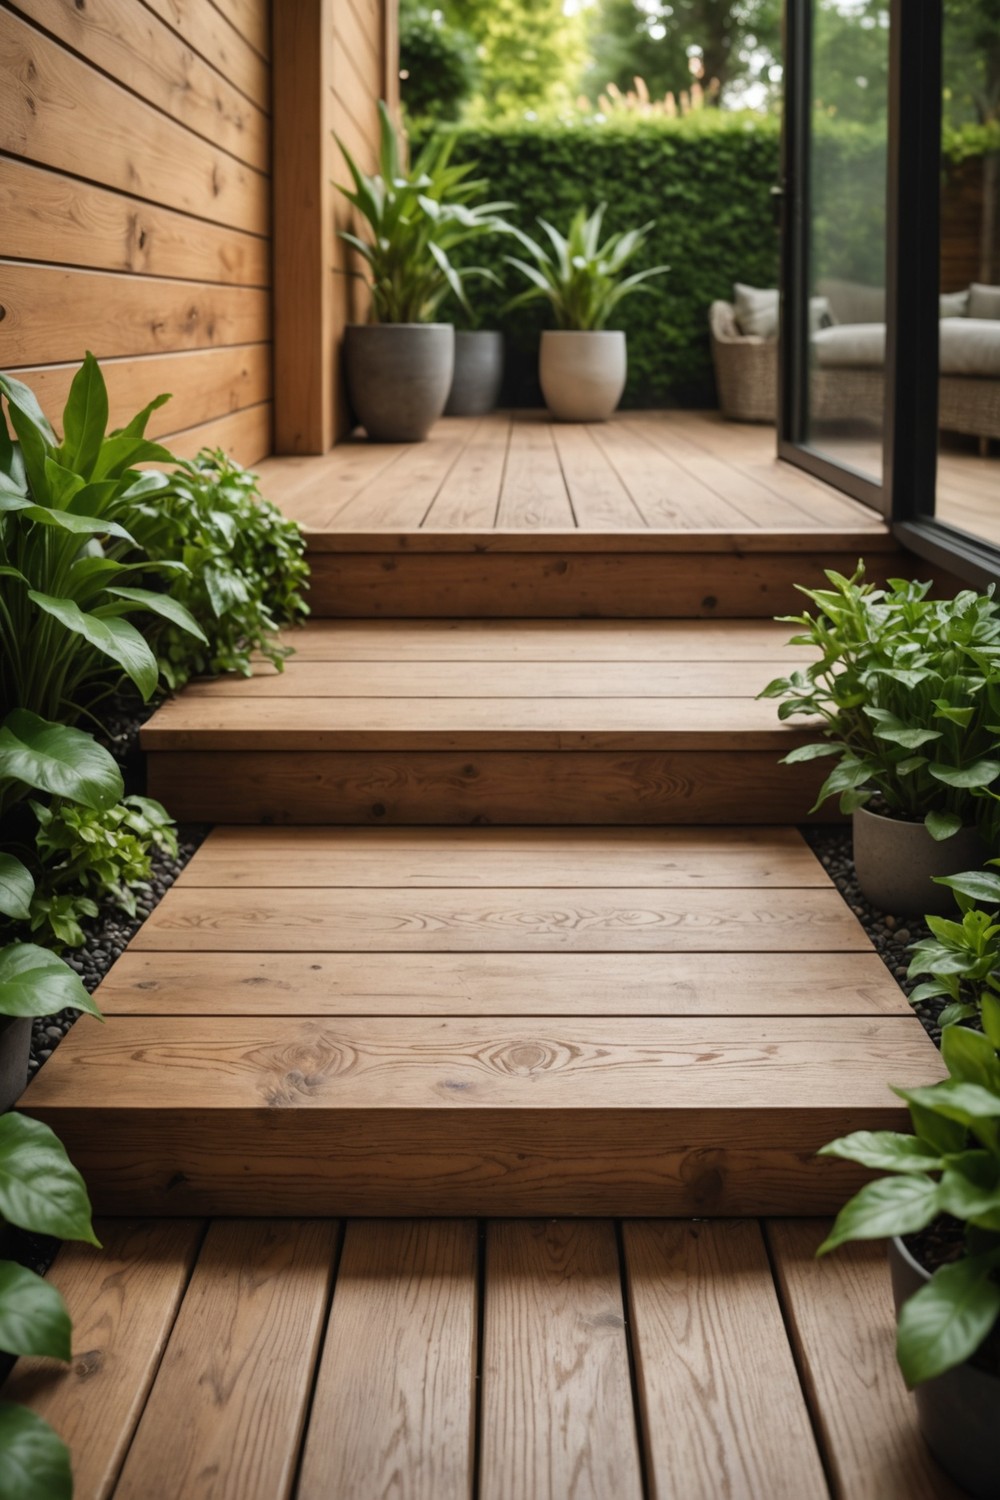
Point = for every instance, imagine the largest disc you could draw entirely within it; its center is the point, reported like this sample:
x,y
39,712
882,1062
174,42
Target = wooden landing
x,y
498,1022
445,1360
512,516
516,722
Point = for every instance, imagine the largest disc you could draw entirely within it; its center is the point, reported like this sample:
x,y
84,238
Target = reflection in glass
x,y
847,171
968,479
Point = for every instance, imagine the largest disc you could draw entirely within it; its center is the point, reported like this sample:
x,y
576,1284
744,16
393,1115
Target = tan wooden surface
x,y
211,33
557,1416
506,919
471,858
243,434
123,1300
481,984
601,501
842,1328
470,493
393,1411
234,1383
722,1407
534,495
616,788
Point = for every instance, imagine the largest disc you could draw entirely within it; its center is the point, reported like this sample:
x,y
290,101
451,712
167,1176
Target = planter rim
x,y
869,812
583,333
381,326
897,1244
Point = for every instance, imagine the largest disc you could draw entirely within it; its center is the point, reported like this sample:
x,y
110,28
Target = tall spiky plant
x,y
581,277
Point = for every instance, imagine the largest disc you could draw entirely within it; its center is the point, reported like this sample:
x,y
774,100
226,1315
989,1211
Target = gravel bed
x,y
891,936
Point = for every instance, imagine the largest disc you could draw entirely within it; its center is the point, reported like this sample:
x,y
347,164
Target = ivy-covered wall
x,y
706,181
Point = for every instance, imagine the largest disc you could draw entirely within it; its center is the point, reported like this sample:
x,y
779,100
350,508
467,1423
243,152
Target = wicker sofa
x,y
746,373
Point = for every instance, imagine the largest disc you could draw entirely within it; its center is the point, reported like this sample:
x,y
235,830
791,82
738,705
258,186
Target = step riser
x,y
566,585
400,788
638,1163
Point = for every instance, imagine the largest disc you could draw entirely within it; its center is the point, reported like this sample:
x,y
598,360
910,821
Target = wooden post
x,y
304,323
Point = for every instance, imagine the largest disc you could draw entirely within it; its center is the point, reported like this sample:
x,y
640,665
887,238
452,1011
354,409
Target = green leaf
x,y
942,825
23,400
970,1189
33,1316
40,1189
980,885
113,638
16,888
989,1010
36,982
55,758
162,604
893,1205
970,1057
34,1462
884,1151
811,752
966,1103
941,1134
85,418
981,773
944,1323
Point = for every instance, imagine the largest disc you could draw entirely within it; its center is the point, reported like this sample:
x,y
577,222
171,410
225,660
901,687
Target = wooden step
x,y
473,722
413,1039
544,1358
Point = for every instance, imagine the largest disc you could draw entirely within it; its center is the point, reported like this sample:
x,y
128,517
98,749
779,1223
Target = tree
x,y
531,54
437,65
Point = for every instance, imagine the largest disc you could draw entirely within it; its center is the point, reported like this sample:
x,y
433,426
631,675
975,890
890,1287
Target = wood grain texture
x,y
393,1413
506,919
123,1300
841,1322
470,858
244,1344
557,1417
54,110
109,231
599,499
481,984
209,31
246,435
534,495
722,1410
423,787
470,493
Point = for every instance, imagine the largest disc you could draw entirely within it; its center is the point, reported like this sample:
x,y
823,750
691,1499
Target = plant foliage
x,y
961,959
580,275
907,690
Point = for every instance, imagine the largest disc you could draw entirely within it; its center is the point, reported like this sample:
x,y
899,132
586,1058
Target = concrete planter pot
x,y
15,1044
582,373
398,377
475,386
957,1410
895,863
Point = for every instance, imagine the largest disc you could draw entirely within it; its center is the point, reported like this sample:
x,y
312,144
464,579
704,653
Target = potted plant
x,y
478,377
907,691
400,364
940,1204
583,364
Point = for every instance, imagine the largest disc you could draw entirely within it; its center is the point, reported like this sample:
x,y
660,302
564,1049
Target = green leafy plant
x,y
65,639
962,959
415,219
950,1165
240,568
907,692
580,276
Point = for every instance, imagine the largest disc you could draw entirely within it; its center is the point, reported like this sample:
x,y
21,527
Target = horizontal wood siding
x,y
135,196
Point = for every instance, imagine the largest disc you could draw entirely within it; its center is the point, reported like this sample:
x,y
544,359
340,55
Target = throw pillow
x,y
984,301
756,310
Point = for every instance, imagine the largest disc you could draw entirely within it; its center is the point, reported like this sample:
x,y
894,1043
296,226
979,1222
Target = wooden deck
x,y
450,1360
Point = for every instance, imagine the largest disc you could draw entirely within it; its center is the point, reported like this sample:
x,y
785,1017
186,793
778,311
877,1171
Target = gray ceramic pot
x,y
957,1410
475,386
15,1044
895,862
398,377
582,373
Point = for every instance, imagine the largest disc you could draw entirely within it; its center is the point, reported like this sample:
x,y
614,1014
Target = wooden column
x,y
305,335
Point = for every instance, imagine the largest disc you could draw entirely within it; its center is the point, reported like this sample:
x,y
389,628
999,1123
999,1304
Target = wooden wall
x,y
135,208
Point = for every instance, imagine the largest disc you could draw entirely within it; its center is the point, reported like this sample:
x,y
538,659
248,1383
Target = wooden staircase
x,y
526,935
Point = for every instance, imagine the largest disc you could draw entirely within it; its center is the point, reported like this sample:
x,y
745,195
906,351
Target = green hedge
x,y
706,180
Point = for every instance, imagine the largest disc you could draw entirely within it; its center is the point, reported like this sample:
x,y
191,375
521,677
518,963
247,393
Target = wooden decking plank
x,y
665,493
487,984
470,494
722,1409
534,496
473,1065
123,1300
313,491
557,1415
757,857
841,1321
505,680
393,1413
255,720
506,919
599,499
544,640
401,494
233,1385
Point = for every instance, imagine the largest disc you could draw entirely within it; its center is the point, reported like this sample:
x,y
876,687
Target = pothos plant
x,y
906,692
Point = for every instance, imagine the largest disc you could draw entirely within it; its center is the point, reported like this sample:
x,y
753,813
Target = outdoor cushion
x,y
756,310
954,304
854,301
970,346
984,301
851,345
